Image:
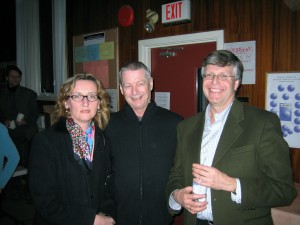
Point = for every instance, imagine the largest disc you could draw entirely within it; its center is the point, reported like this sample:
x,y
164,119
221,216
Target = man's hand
x,y
213,178
102,219
20,122
187,199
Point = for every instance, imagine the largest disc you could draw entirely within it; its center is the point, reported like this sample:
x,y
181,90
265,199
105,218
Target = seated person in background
x,y
19,112
9,157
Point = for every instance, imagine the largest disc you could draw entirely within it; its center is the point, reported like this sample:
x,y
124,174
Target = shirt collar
x,y
219,117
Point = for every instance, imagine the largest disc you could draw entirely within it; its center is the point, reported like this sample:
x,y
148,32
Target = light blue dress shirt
x,y
210,140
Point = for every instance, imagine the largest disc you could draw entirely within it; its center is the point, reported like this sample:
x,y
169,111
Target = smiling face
x,y
83,111
220,93
136,89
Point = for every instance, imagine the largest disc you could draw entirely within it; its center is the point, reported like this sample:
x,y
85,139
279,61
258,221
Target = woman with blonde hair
x,y
70,161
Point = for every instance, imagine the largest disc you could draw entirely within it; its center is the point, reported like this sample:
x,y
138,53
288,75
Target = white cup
x,y
20,116
12,124
199,189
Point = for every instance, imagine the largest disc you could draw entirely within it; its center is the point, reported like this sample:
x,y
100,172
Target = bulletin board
x,y
283,98
98,53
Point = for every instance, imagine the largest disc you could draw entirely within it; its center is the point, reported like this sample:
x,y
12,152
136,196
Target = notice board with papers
x,y
97,53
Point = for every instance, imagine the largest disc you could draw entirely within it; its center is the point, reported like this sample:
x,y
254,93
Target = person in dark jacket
x,y
70,161
19,112
143,139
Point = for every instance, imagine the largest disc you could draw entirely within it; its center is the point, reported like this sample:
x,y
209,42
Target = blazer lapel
x,y
195,137
231,131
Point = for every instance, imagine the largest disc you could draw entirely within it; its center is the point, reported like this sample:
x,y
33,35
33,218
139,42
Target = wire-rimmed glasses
x,y
210,76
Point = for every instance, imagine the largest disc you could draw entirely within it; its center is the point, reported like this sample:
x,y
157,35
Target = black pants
x,y
22,137
204,222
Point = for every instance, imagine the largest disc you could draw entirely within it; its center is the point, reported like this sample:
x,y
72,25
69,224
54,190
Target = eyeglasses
x,y
90,98
210,76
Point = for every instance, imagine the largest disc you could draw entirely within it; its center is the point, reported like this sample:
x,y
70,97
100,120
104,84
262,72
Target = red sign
x,y
176,12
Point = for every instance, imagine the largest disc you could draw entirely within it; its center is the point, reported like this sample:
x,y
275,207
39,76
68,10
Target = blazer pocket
x,y
242,149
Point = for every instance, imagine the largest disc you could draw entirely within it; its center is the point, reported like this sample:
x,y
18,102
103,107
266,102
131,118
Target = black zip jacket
x,y
142,157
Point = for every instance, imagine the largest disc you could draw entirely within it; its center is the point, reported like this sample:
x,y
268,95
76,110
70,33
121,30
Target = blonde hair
x,y
102,116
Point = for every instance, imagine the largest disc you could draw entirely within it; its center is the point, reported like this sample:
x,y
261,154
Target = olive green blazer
x,y
251,148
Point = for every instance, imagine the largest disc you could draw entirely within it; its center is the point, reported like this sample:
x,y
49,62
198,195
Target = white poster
x,y
113,99
246,52
162,99
283,98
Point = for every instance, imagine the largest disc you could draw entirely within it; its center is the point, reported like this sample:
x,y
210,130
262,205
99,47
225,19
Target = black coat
x,y
63,191
23,100
142,154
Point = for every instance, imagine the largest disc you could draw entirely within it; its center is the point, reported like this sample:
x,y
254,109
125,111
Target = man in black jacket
x,y
143,139
19,112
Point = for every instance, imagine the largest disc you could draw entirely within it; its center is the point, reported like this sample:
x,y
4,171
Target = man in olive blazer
x,y
250,149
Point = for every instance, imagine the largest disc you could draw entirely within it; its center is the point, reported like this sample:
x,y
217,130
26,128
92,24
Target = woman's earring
x,y
67,111
98,110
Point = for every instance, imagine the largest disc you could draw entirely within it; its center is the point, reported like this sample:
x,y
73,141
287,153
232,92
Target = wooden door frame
x,y
146,45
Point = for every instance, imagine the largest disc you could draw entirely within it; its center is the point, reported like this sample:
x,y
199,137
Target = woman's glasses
x,y
90,98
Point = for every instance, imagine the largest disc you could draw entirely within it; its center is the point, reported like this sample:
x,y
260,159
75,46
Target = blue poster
x,y
283,98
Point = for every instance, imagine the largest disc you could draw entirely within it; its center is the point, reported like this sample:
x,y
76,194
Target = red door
x,y
175,70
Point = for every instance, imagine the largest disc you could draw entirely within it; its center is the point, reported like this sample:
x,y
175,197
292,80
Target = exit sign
x,y
176,12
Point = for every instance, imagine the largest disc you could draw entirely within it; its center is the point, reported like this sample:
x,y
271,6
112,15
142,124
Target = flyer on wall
x,y
283,98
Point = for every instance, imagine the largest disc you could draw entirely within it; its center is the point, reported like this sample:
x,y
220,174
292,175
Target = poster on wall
x,y
94,56
162,99
246,52
283,98
113,99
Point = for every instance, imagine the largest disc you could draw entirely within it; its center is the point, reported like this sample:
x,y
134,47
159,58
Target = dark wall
x,y
8,31
271,23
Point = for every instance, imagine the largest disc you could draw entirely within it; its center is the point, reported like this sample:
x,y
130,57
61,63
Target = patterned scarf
x,y
83,143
